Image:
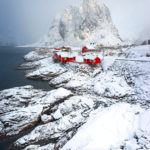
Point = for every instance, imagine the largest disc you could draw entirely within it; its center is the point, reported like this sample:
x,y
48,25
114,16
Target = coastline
x,y
79,91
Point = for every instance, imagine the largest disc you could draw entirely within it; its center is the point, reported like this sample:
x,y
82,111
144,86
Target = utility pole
x,y
102,59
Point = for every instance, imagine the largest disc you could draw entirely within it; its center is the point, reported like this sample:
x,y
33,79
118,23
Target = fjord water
x,y
10,76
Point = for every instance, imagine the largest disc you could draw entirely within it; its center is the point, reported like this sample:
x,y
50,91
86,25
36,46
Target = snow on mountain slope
x,y
134,66
121,125
90,23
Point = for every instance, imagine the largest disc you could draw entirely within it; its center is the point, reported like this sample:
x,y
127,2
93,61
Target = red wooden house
x,y
92,61
84,49
64,58
63,48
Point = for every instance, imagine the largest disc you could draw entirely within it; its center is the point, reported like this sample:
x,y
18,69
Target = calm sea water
x,y
10,58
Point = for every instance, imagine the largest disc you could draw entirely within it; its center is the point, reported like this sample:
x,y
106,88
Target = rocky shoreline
x,y
80,89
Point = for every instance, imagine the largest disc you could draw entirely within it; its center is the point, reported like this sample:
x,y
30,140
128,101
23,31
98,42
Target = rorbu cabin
x,y
64,57
72,59
84,49
63,48
97,60
88,58
92,61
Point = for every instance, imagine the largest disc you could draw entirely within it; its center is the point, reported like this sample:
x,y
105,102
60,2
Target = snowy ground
x,y
111,99
121,125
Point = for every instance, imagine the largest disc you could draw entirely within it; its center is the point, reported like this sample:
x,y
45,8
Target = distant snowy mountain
x,y
90,23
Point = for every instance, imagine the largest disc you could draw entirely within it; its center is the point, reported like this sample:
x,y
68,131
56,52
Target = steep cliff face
x,y
90,23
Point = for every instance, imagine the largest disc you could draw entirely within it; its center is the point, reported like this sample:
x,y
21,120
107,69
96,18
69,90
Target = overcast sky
x,y
26,21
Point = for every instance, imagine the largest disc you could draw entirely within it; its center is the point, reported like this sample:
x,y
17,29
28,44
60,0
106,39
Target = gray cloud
x,y
131,17
25,21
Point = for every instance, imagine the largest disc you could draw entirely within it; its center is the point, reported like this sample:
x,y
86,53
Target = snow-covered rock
x,y
67,117
46,118
90,23
138,52
22,107
109,85
17,121
61,79
61,113
46,70
109,128
38,147
1,127
134,66
37,55
78,81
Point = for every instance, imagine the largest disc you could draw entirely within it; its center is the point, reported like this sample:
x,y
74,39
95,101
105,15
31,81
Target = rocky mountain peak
x,y
78,26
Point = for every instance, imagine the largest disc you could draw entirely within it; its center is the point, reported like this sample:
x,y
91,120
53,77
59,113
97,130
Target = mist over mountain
x,y
27,21
77,26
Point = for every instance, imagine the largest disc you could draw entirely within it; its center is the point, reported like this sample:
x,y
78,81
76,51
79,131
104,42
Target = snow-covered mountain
x,y
90,23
